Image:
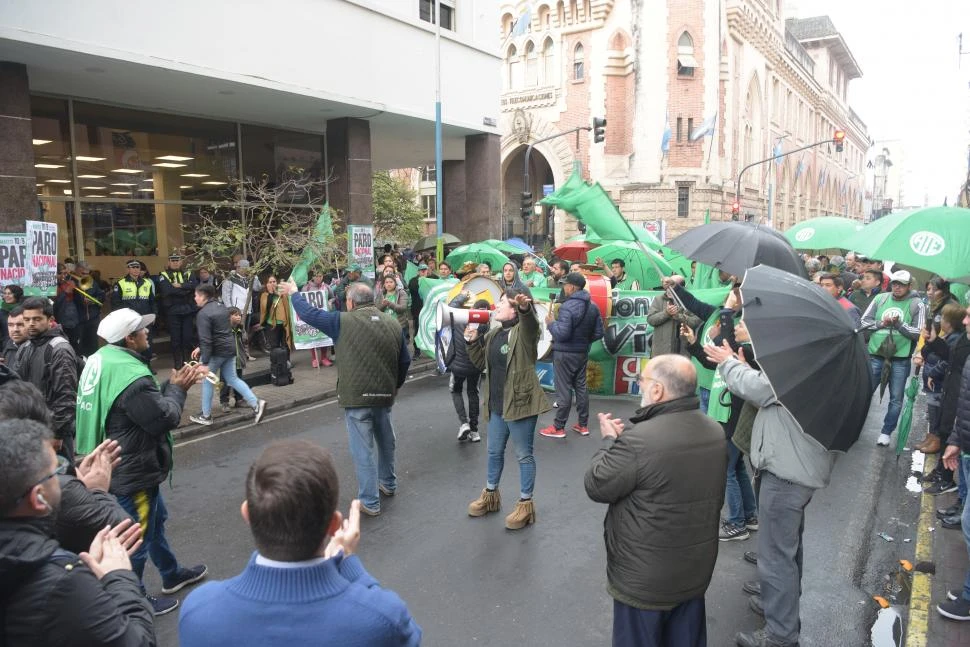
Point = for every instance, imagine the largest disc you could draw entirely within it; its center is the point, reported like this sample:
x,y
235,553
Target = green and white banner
x,y
41,266
360,248
306,336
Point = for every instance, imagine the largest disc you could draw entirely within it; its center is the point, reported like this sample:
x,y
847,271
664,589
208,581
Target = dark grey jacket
x,y
961,426
83,513
215,336
55,375
664,480
48,596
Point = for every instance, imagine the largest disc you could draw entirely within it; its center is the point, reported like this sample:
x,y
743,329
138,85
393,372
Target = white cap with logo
x,y
121,323
901,276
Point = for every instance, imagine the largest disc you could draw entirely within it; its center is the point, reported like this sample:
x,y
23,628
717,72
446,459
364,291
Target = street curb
x,y
194,430
920,600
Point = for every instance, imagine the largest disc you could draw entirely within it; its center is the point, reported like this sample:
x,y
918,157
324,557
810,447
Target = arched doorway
x,y
539,228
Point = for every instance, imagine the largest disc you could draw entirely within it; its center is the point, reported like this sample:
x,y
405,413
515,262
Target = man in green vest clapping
x,y
367,385
896,319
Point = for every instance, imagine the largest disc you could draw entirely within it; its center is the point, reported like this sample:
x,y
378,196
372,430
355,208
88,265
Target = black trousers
x,y
455,384
683,626
181,328
88,337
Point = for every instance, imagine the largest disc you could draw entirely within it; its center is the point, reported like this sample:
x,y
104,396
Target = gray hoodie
x,y
778,443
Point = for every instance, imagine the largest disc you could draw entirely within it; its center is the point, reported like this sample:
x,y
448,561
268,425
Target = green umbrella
x,y
827,232
906,415
641,267
503,246
477,252
936,239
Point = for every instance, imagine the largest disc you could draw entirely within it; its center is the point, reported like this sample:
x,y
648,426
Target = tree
x,y
271,224
397,216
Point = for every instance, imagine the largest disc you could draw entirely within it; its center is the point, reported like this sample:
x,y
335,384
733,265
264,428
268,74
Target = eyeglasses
x,y
62,465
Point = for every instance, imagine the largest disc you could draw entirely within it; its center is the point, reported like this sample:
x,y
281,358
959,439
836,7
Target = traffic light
x,y
526,205
735,210
599,129
839,140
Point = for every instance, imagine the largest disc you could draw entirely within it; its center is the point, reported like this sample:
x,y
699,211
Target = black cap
x,y
134,263
174,257
577,279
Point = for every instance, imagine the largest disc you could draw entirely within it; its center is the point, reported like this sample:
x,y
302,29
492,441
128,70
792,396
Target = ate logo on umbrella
x,y
926,243
804,234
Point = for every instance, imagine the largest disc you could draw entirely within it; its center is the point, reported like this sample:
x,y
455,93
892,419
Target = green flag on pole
x,y
322,233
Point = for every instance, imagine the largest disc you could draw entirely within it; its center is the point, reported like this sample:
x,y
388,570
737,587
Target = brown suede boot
x,y
522,515
932,444
487,502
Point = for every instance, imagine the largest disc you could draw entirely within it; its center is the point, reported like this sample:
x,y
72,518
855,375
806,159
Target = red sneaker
x,y
552,432
326,362
580,429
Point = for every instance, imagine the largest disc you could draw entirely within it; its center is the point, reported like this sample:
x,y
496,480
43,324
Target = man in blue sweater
x,y
304,584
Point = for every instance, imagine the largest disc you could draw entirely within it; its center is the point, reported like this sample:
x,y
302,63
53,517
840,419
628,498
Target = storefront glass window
x,y
279,156
52,147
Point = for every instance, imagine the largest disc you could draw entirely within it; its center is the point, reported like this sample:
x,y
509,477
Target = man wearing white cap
x,y
119,399
896,318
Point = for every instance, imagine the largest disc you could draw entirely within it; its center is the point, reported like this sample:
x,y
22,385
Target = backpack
x,y
279,367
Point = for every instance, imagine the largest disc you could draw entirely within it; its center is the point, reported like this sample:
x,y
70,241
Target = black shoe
x,y
754,603
751,523
161,606
759,638
184,578
958,609
752,587
733,533
940,487
955,509
932,476
751,556
952,523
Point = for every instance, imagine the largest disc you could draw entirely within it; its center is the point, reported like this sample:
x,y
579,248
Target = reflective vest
x,y
133,291
900,309
179,277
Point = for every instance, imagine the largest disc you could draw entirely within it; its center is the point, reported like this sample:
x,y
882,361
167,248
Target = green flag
x,y
322,233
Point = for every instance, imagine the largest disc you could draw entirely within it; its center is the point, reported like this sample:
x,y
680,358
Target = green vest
x,y
705,376
537,278
715,408
370,343
885,304
174,276
106,375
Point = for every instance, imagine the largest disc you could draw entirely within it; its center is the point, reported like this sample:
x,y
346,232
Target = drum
x,y
481,287
601,293
545,337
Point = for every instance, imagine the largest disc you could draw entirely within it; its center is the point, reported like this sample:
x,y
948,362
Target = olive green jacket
x,y
524,396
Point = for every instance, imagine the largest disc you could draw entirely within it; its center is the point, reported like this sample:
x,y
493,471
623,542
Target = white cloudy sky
x,y
912,88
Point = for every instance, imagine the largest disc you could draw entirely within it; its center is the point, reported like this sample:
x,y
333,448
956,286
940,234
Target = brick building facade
x,y
762,81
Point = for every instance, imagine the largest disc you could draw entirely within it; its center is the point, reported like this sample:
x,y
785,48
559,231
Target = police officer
x,y
176,288
137,292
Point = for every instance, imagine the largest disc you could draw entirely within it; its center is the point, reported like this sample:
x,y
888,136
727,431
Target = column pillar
x,y
453,198
18,183
348,154
483,200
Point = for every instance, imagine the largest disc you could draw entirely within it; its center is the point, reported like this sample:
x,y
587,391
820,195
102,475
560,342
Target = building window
x,y
428,173
426,13
690,127
578,72
685,55
531,64
430,203
515,66
549,63
507,23
683,201
544,17
680,128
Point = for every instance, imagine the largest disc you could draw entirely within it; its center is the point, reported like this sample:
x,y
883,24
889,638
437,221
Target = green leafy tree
x,y
397,216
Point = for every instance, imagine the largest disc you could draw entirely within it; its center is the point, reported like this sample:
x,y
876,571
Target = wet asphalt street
x,y
470,581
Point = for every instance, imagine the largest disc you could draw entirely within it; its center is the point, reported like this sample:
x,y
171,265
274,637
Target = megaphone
x,y
461,316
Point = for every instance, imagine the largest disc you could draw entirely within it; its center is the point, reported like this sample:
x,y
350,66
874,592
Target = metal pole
x,y
528,156
438,188
773,157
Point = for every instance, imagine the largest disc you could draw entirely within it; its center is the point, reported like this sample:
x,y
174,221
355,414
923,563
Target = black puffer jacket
x,y
83,513
961,427
215,337
48,597
51,366
951,383
140,420
458,361
664,480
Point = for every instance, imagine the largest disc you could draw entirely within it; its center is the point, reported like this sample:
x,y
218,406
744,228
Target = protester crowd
x,y
85,443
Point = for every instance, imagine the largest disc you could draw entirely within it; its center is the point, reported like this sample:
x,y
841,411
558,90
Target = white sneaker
x,y
883,440
474,437
463,431
258,411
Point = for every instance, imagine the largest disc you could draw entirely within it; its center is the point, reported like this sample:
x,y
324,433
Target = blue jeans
x,y
148,510
705,396
372,448
965,520
740,494
226,368
897,384
523,433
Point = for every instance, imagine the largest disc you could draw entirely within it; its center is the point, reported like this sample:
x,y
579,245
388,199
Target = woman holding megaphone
x,y
513,401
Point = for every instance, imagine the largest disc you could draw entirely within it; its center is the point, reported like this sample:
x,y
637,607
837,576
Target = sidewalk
x,y
310,386
946,549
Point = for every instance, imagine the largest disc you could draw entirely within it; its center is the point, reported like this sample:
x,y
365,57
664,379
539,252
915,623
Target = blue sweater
x,y
335,602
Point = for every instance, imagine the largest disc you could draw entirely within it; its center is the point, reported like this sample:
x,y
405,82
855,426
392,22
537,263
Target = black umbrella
x,y
738,246
810,352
